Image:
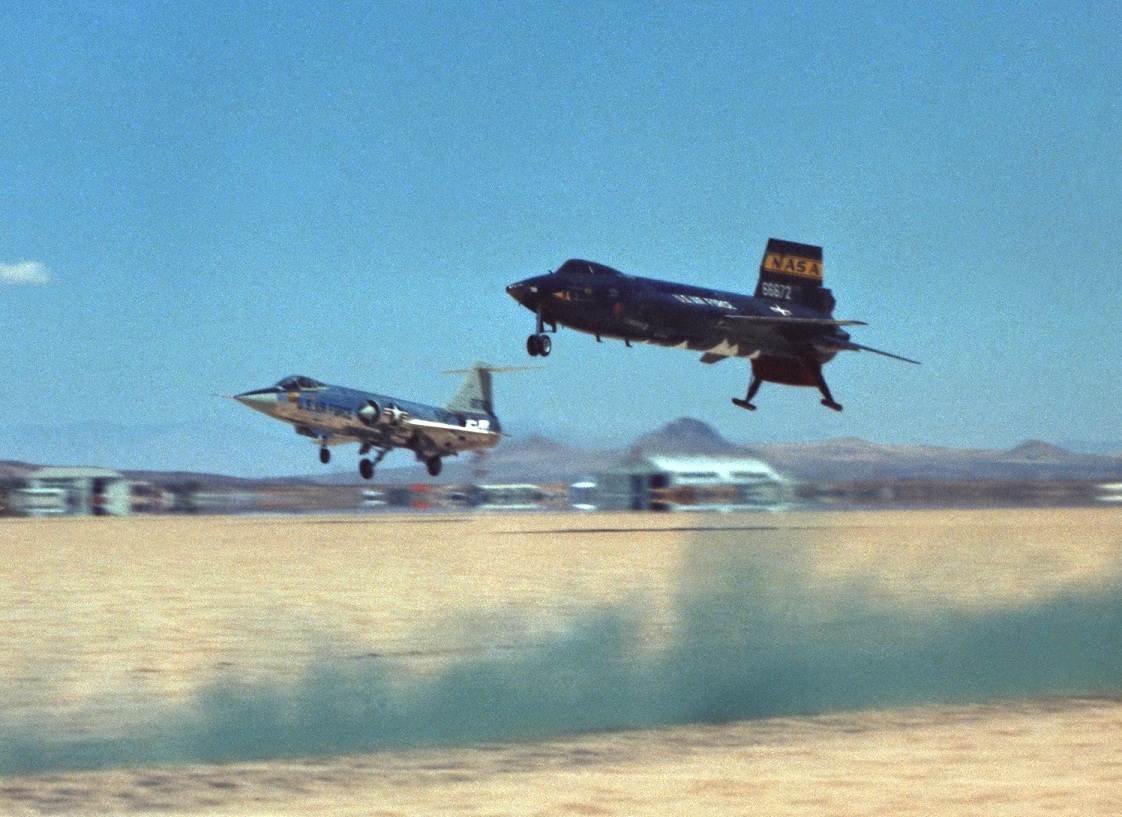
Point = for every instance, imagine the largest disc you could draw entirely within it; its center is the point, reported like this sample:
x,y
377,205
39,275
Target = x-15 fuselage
x,y
786,328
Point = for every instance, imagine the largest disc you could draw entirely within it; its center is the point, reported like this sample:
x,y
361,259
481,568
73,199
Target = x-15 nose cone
x,y
527,292
518,291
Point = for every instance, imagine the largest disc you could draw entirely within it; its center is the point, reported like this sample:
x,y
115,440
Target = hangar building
x,y
692,483
75,491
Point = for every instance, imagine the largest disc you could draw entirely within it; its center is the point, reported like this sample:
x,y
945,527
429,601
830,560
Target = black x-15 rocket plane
x,y
786,329
334,415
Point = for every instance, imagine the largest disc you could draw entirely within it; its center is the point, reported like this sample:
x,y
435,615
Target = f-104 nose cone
x,y
251,398
264,400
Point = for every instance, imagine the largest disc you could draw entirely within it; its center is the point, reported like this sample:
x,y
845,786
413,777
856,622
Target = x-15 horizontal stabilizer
x,y
849,346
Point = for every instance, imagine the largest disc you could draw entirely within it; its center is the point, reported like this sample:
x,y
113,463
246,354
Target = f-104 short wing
x,y
443,437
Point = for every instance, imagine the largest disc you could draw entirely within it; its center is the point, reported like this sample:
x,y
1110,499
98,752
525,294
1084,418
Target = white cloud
x,y
26,272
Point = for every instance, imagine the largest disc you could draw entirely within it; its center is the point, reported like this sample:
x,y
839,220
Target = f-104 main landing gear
x,y
365,466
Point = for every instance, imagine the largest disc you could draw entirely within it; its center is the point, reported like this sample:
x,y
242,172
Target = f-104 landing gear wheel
x,y
325,455
366,468
433,464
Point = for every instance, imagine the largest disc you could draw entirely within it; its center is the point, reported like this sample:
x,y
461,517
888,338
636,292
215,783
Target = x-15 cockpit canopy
x,y
577,267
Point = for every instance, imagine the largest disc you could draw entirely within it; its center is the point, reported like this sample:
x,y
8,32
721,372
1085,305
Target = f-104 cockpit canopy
x,y
576,266
299,382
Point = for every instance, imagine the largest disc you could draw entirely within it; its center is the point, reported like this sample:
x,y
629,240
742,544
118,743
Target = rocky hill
x,y
687,436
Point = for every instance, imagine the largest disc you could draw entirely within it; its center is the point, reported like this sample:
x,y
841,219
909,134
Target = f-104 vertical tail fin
x,y
475,395
793,272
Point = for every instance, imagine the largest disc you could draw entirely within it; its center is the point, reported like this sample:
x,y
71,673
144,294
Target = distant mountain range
x,y
541,459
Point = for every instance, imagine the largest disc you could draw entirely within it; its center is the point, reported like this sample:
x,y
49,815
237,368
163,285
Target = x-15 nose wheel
x,y
366,468
539,345
324,455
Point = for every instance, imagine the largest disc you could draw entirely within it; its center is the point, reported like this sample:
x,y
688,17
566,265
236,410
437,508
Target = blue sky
x,y
207,197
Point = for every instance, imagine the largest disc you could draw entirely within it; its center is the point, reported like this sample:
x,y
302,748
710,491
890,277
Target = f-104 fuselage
x,y
336,415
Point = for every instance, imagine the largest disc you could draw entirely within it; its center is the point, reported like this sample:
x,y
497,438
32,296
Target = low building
x,y
582,495
1110,492
75,492
39,501
692,483
510,497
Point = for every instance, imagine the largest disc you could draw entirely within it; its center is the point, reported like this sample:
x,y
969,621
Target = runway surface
x,y
813,663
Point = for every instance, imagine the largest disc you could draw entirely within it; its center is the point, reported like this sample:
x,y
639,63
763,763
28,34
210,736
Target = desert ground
x,y
965,662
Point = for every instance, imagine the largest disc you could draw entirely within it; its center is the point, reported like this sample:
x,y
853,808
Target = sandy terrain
x,y
853,663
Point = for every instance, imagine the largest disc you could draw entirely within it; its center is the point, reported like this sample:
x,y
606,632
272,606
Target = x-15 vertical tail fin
x,y
793,272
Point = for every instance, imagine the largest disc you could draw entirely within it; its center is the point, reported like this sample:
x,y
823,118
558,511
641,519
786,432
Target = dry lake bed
x,y
958,662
